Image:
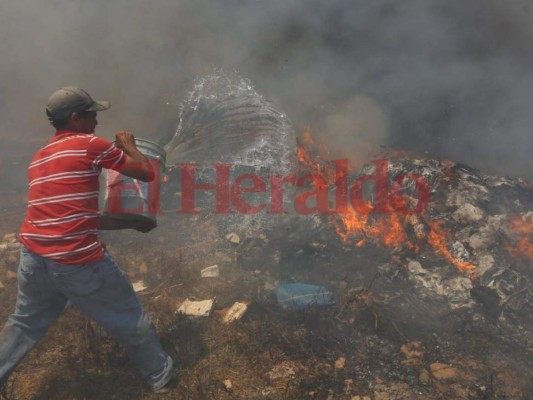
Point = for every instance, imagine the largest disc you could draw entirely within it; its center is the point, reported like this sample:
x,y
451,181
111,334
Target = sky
x,y
448,79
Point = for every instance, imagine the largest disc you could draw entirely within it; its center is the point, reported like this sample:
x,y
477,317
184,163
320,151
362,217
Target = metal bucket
x,y
129,199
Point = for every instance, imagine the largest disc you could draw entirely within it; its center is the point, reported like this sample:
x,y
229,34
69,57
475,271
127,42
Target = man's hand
x,y
137,165
125,140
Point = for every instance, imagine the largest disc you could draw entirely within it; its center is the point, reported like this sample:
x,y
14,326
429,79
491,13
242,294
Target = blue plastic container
x,y
299,296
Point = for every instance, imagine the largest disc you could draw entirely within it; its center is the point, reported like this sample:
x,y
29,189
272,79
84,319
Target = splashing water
x,y
225,120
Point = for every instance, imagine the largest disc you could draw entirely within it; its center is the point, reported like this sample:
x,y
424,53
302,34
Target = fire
x,y
521,228
359,229
314,157
352,225
438,236
388,230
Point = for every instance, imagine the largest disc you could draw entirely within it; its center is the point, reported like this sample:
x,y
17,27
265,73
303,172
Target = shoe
x,y
171,383
166,379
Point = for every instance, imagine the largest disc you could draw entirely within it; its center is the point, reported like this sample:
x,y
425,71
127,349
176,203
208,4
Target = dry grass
x,y
269,354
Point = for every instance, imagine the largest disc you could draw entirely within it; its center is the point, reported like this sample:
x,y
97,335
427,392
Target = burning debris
x,y
470,224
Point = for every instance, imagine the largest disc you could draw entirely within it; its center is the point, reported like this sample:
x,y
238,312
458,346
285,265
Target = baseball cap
x,y
65,101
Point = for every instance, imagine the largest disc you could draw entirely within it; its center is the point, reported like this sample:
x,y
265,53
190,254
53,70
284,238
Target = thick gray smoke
x,y
453,79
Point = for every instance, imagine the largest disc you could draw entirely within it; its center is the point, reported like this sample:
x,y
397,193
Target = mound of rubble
x,y
467,257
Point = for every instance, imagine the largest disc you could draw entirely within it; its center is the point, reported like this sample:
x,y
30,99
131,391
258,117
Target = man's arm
x,y
137,166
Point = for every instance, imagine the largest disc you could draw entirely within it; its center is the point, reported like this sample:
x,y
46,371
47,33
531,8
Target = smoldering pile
x,y
467,258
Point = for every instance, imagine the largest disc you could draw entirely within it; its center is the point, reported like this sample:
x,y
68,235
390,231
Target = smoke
x,y
453,79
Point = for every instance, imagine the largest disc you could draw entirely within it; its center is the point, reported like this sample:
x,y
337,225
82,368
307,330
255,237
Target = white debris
x,y
196,308
228,385
481,240
235,312
459,251
468,213
233,238
286,369
484,263
13,246
211,272
10,238
456,289
139,286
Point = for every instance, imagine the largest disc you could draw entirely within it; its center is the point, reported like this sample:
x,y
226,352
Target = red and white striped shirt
x,y
62,217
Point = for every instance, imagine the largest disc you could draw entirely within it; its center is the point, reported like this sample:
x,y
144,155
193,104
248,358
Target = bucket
x,y
129,199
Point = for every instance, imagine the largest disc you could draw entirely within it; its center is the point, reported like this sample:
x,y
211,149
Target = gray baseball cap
x,y
65,101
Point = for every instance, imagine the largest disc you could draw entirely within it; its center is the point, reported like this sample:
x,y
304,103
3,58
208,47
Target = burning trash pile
x,y
455,273
459,240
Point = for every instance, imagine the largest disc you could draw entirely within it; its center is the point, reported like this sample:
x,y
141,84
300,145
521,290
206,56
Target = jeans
x,y
102,291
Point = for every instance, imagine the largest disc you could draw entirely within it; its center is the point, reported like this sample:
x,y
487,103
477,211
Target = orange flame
x,y
438,236
314,157
521,228
353,227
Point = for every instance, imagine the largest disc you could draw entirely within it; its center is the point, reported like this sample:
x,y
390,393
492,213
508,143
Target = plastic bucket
x,y
126,198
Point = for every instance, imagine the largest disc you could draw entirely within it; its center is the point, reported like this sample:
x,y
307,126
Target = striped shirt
x,y
62,217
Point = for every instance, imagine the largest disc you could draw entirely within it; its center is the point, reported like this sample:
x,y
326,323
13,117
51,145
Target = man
x,y
61,257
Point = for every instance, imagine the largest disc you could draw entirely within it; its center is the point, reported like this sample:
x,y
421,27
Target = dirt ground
x,y
351,350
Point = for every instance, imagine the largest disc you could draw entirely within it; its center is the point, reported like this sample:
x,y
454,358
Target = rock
x,y
484,238
9,237
339,364
235,312
228,385
381,395
443,371
13,246
412,362
361,398
233,238
286,369
467,213
12,259
143,269
11,275
196,308
210,272
424,377
413,349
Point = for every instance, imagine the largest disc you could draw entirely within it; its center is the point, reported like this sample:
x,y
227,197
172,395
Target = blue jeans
x,y
102,291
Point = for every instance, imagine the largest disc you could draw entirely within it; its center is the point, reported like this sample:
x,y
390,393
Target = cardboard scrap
x,y
211,272
196,308
139,286
233,238
235,312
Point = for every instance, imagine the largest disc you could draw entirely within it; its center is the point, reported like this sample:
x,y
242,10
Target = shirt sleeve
x,y
105,154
